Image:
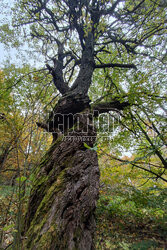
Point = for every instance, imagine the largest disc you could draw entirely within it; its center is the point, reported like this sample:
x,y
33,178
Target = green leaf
x,y
86,146
6,228
21,179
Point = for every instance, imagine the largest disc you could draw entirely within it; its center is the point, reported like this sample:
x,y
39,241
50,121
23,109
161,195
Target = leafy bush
x,y
128,218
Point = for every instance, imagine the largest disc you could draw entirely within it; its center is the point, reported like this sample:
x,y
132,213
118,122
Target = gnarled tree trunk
x,y
61,208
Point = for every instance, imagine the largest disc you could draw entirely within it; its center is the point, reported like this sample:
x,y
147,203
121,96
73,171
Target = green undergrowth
x,y
129,218
5,190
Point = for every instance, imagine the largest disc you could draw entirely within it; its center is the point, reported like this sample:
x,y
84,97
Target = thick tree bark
x,y
61,208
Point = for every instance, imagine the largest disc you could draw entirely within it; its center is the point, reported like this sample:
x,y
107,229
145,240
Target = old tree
x,y
78,39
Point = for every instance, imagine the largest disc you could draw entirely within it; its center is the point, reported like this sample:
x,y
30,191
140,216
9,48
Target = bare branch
x,y
115,65
109,106
110,10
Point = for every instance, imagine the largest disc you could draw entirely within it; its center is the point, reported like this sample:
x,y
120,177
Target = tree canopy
x,y
77,37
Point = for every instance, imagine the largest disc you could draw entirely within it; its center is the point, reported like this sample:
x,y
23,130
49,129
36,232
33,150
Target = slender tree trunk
x,y
63,199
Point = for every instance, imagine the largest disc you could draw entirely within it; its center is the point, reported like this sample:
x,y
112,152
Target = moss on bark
x,y
60,212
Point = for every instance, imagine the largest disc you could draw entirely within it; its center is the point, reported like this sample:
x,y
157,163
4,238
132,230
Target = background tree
x,y
76,38
21,143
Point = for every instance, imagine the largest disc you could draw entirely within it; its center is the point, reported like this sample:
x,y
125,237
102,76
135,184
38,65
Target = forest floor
x,y
114,233
127,218
132,219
